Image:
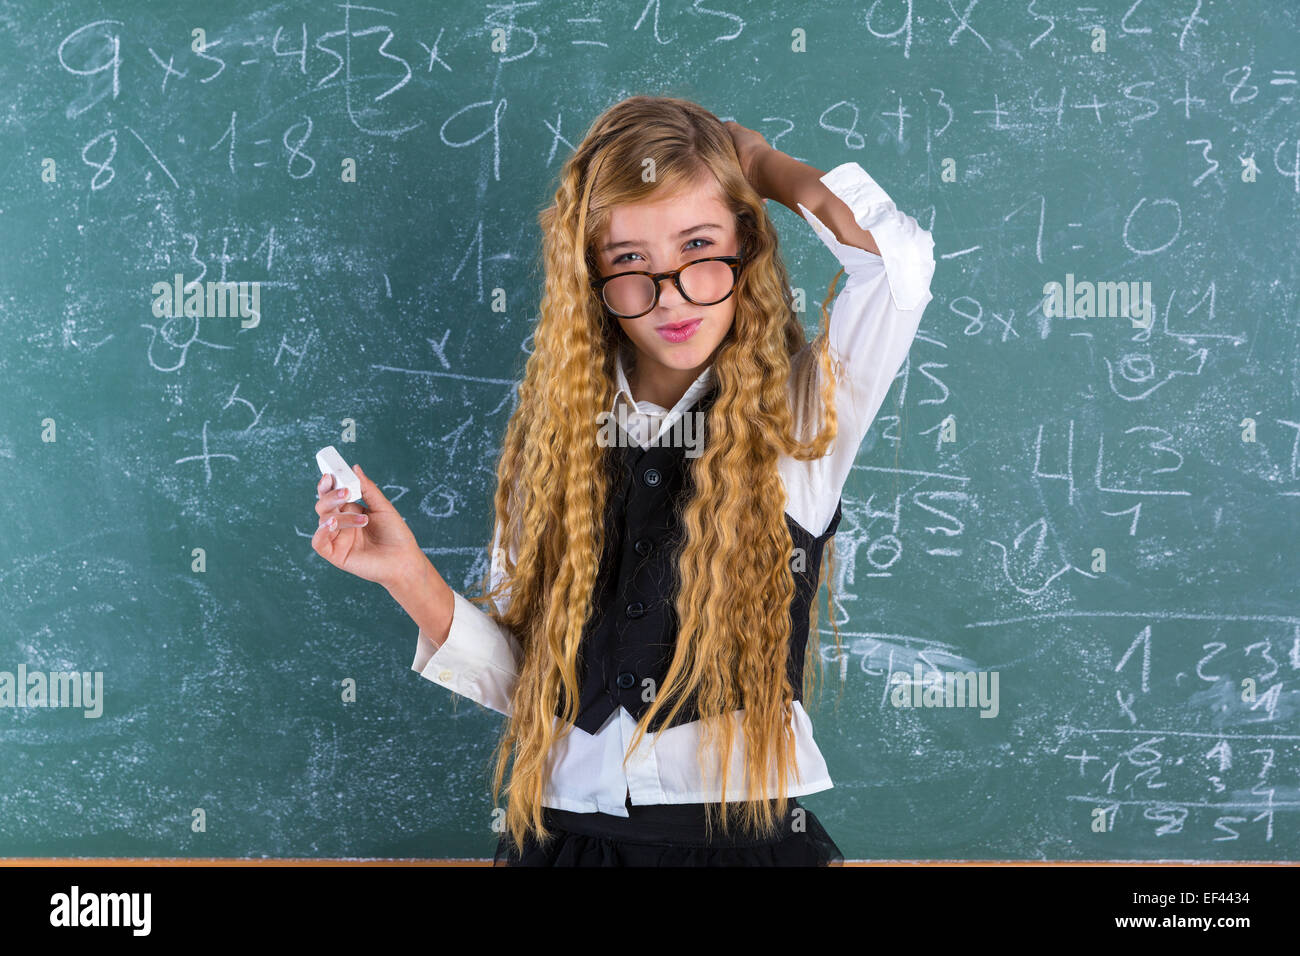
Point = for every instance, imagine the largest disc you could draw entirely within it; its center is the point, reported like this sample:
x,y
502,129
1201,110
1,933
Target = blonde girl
x,y
669,479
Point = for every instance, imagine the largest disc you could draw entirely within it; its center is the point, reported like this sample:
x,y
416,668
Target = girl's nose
x,y
668,294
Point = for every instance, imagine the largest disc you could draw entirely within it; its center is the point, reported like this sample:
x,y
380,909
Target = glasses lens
x,y
629,295
707,282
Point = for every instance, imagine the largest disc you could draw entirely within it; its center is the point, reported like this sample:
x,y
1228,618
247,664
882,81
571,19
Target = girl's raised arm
x,y
874,319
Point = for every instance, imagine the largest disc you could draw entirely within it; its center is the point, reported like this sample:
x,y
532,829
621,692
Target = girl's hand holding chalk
x,y
375,543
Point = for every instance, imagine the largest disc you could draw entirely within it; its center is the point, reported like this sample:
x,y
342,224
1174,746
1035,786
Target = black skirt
x,y
669,835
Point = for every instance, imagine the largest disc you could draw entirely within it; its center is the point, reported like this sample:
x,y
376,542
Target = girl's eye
x,y
619,260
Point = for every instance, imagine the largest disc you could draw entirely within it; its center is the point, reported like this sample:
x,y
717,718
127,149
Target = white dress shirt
x,y
873,322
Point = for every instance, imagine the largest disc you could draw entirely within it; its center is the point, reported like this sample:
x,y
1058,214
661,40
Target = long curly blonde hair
x,y
736,582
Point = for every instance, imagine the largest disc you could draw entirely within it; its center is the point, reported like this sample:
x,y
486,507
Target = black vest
x,y
632,631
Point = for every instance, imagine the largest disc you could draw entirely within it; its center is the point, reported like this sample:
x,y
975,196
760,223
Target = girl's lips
x,y
679,332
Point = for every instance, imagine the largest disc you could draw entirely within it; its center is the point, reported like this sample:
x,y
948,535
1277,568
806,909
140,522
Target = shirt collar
x,y
623,395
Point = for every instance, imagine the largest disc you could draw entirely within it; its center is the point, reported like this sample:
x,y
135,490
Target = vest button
x,y
643,546
626,679
651,477
635,609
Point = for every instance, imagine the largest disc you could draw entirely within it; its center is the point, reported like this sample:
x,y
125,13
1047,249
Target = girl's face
x,y
677,339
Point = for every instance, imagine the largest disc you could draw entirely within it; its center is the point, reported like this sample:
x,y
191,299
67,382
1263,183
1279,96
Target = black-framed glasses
x,y
630,295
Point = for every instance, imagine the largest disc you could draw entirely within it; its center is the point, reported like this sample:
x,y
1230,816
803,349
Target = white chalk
x,y
332,463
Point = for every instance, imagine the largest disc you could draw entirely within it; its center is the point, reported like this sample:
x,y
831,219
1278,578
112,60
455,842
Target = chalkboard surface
x,y
1111,528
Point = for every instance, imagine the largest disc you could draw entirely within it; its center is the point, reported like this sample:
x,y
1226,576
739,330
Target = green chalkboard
x,y
1155,693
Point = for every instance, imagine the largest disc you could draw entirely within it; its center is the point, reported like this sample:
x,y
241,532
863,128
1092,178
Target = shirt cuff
x,y
479,659
906,250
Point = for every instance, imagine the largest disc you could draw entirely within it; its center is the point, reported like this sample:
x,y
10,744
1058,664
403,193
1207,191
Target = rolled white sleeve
x,y
479,659
873,322
906,258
